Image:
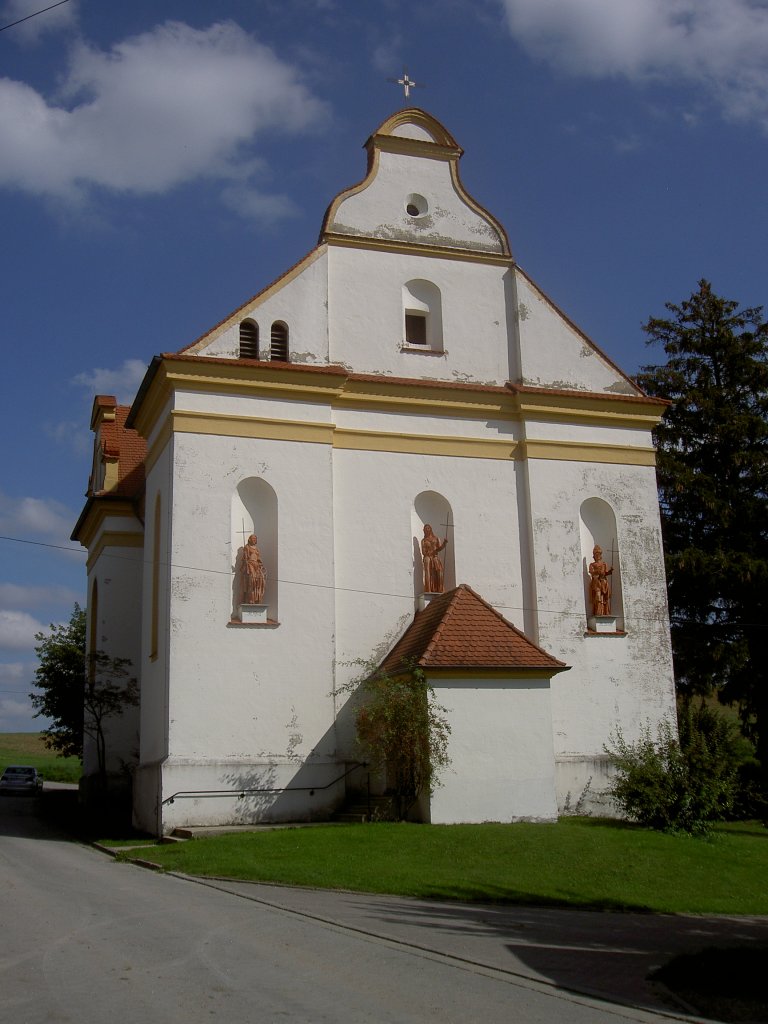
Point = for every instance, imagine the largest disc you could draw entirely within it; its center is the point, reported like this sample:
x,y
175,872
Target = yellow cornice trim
x,y
114,539
235,379
240,381
348,438
390,396
423,444
404,146
416,116
162,438
228,425
584,451
101,509
596,410
508,674
480,210
418,249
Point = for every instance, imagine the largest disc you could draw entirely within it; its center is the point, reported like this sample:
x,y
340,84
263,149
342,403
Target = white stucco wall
x,y
615,680
117,574
366,316
502,761
300,301
379,210
553,353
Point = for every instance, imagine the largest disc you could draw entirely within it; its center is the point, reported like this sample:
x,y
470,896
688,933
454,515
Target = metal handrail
x,y
192,794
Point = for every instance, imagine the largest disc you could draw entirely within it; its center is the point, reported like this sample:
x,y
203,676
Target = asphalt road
x,y
88,940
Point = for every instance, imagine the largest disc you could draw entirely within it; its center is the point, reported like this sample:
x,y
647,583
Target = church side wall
x,y
252,704
615,680
154,656
114,628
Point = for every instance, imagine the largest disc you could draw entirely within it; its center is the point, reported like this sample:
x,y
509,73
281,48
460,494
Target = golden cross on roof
x,y
406,82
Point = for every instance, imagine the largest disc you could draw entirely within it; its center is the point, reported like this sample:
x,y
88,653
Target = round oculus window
x,y
416,205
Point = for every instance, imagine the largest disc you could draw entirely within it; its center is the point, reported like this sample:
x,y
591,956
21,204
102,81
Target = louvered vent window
x,y
249,340
279,341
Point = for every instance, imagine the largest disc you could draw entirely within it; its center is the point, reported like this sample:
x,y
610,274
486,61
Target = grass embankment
x,y
29,748
580,862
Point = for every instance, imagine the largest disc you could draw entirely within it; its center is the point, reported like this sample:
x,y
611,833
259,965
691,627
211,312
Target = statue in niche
x,y
600,588
433,567
254,575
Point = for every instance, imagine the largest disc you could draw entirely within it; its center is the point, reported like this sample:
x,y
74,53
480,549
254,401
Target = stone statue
x,y
600,588
433,567
254,575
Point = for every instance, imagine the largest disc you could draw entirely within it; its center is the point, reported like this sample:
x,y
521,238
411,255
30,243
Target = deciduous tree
x,y
60,684
79,693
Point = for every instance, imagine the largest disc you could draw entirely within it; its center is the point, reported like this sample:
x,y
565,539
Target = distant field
x,y
29,748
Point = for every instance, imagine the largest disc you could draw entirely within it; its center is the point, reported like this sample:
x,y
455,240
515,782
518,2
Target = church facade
x,y
255,523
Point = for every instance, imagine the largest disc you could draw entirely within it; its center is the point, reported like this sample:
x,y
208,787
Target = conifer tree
x,y
713,485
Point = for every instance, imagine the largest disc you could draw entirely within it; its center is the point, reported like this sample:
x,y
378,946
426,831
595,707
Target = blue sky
x,y
161,161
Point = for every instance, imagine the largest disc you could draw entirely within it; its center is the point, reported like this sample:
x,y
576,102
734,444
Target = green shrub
x,y
677,782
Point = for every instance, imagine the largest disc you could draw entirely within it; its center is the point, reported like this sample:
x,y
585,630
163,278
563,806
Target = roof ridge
x,y
506,622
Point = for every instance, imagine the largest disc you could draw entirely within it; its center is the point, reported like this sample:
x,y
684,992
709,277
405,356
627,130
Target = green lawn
x,y
579,862
29,748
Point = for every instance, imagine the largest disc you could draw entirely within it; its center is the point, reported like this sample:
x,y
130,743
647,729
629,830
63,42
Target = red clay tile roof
x,y
130,450
460,630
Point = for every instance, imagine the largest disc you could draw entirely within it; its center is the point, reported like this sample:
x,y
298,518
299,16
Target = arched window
x,y
249,340
278,348
422,316
603,596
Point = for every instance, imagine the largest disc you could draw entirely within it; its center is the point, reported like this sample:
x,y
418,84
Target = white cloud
x,y
71,434
266,209
17,630
15,595
122,382
720,45
59,18
387,57
38,518
172,105
12,673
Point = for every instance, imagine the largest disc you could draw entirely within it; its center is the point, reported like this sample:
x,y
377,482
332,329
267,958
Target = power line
x,y
43,544
371,593
34,15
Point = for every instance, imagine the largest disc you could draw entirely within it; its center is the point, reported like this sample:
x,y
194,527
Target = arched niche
x,y
422,315
254,510
431,508
597,525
